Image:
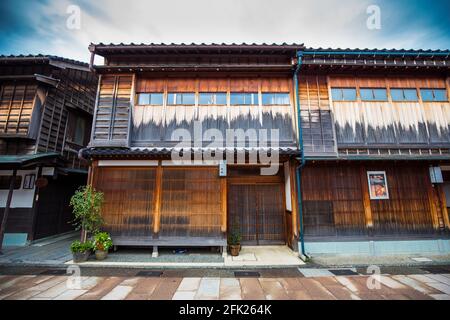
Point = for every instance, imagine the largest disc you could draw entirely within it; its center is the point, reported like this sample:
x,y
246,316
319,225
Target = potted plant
x,y
102,243
234,240
80,250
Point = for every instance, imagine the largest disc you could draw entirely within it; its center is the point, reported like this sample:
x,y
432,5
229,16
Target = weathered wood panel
x,y
335,203
332,200
317,125
16,108
156,124
408,208
191,205
258,211
112,111
128,207
391,123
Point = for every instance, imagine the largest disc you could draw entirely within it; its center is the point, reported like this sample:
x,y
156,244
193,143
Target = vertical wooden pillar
x,y
433,206
7,207
223,192
158,196
35,207
366,198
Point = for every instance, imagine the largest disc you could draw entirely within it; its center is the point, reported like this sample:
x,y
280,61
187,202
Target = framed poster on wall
x,y
378,187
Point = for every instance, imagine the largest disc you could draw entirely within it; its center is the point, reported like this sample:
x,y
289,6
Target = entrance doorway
x,y
258,211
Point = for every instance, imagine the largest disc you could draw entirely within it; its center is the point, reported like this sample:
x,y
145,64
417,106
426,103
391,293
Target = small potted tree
x,y
234,240
102,243
80,250
86,203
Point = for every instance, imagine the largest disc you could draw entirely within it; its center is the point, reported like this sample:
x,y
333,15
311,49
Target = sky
x,y
55,27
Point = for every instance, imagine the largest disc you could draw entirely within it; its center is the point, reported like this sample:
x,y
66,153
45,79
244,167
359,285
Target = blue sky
x,y
32,27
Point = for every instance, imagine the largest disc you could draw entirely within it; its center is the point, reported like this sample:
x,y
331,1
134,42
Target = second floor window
x,y
218,99
373,94
239,99
275,99
437,95
404,94
187,99
153,99
343,94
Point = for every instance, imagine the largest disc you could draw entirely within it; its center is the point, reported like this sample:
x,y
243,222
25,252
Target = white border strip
x,y
126,163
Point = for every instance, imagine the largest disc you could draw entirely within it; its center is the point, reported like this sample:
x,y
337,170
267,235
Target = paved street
x,y
270,284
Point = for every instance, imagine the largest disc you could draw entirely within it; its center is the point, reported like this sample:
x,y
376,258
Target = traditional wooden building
x,y
46,106
367,164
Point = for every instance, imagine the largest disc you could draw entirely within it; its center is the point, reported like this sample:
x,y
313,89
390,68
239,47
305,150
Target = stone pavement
x,y
176,285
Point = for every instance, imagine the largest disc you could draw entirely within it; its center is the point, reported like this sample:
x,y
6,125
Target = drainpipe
x,y
302,157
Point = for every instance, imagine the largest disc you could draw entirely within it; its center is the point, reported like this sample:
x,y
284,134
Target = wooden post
x,y
443,203
223,191
433,207
366,199
7,207
35,206
158,196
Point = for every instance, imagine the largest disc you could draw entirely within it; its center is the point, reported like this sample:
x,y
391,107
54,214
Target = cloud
x,y
40,26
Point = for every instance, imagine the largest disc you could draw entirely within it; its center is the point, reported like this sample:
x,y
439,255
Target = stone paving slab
x,y
390,287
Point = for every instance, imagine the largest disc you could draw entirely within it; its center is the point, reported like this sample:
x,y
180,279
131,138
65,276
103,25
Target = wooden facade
x,y
46,106
342,142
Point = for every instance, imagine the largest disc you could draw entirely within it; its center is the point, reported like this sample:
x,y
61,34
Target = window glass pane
x,y
410,94
221,99
349,94
212,99
181,98
397,95
380,94
427,94
440,95
156,99
5,181
244,98
80,129
143,98
275,98
366,94
336,94
206,98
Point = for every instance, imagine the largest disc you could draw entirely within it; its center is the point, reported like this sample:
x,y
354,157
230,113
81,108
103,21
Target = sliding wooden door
x,y
258,211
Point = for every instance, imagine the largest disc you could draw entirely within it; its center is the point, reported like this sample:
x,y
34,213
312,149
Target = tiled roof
x,y
369,51
42,58
104,152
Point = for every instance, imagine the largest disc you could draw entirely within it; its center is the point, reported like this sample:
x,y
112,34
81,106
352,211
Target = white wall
x,y
22,198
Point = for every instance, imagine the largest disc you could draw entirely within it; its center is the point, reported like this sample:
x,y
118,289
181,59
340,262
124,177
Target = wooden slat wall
x,y
408,208
188,205
128,208
191,205
384,123
16,107
153,124
318,136
75,91
112,111
334,200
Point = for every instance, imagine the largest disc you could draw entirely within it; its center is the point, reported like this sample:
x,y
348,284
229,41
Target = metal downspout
x,y
302,158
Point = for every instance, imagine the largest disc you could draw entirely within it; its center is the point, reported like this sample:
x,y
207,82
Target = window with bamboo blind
x,y
191,202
